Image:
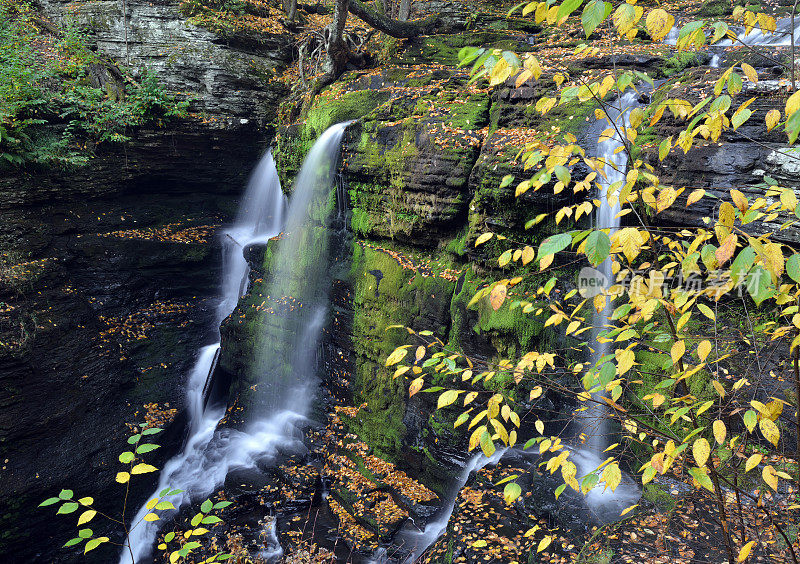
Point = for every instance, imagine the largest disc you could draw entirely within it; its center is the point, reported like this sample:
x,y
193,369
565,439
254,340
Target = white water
x,y
593,420
419,541
209,454
781,37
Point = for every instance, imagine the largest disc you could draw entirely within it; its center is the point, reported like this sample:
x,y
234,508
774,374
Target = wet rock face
x,y
231,85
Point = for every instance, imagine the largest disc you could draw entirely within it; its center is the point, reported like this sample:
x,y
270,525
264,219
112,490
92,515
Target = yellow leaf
x,y
469,397
479,544
752,462
772,119
703,349
86,516
769,430
726,250
751,75
498,296
625,360
718,387
740,200
659,23
415,386
528,254
745,551
397,355
701,450
727,214
677,350
539,426
151,517
483,238
771,479
544,543
792,104
122,477
719,431
695,196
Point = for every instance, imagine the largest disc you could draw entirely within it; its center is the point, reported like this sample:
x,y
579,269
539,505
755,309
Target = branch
x,y
395,28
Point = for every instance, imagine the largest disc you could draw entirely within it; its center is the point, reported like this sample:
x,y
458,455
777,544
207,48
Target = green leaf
x,y
597,247
49,501
793,127
793,267
507,179
163,492
69,507
206,506
567,7
165,505
759,284
511,492
702,478
65,494
593,15
742,264
169,536
134,439
560,489
94,543
151,431
126,457
85,533
554,244
192,545
210,520
196,519
147,447
589,482
221,504
73,542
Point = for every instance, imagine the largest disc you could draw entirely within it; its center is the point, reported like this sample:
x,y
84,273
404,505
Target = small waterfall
x,y
593,420
419,541
210,453
260,217
781,37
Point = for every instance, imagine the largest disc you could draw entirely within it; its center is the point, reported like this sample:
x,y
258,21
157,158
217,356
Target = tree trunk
x,y
392,27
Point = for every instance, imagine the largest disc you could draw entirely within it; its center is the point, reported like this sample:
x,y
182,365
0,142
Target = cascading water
x,y
419,541
210,453
593,420
260,217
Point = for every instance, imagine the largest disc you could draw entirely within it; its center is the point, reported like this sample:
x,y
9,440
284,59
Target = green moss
x,y
659,495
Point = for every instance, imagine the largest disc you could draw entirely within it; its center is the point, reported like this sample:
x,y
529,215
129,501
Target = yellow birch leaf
x,y
703,349
745,551
719,431
739,200
483,238
695,196
770,478
769,430
415,386
701,450
86,516
772,119
751,75
498,296
753,461
677,350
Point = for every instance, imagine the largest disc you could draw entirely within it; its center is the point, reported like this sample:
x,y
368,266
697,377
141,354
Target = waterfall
x,y
593,420
419,541
210,453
